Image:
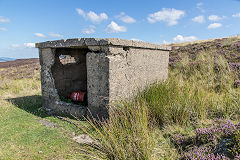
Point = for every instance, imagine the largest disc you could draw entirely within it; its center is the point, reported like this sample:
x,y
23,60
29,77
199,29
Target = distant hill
x,y
227,47
19,68
6,59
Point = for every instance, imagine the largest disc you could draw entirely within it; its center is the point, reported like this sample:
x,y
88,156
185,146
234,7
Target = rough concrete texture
x,y
133,69
82,42
50,96
98,83
108,69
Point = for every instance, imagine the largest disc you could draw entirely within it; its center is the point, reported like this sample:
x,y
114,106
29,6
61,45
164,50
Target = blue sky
x,y
25,22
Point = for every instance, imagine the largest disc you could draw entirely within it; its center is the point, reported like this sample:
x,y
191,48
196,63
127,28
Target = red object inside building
x,y
78,96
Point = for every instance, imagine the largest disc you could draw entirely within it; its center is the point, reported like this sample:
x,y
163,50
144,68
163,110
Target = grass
x,y
125,135
197,91
22,136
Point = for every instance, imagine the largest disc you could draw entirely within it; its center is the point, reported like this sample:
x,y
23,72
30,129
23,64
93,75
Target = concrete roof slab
x,y
84,42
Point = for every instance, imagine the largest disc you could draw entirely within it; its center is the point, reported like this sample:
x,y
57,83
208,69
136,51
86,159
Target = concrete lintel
x,y
84,42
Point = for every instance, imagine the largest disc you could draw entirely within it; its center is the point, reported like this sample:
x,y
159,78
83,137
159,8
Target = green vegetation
x,y
125,135
198,90
175,119
202,91
22,136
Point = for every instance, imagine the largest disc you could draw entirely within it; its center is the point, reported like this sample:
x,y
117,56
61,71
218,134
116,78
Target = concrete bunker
x,y
106,69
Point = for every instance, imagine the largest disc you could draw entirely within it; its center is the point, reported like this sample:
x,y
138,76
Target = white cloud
x,y
166,42
135,39
22,46
29,45
15,45
115,28
89,30
180,38
199,19
169,15
55,35
3,29
96,18
237,15
125,18
80,12
199,6
4,20
214,25
215,18
39,35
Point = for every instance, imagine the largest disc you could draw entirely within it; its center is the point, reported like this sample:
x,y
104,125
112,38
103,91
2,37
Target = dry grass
x,y
198,90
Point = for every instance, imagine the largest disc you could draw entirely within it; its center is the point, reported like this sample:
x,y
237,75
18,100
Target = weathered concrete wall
x,y
98,83
115,69
133,69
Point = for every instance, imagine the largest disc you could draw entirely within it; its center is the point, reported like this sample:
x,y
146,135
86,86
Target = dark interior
x,y
70,71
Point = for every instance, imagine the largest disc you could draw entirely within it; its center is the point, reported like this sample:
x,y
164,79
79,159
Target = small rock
x,y
47,123
83,139
223,148
237,83
48,109
40,152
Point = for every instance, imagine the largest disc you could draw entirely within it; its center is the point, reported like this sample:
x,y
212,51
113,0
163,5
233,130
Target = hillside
x,y
188,116
227,47
20,68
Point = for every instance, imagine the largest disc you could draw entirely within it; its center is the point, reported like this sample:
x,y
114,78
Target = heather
x,y
219,141
226,47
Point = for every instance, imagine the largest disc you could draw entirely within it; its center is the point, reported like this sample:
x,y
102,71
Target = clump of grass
x,y
197,88
207,70
169,103
125,135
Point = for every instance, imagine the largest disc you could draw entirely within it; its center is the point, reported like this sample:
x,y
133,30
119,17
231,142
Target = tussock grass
x,y
195,90
125,135
198,89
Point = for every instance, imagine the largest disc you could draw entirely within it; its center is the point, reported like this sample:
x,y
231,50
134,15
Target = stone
x,y
108,70
83,139
237,84
47,123
224,148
